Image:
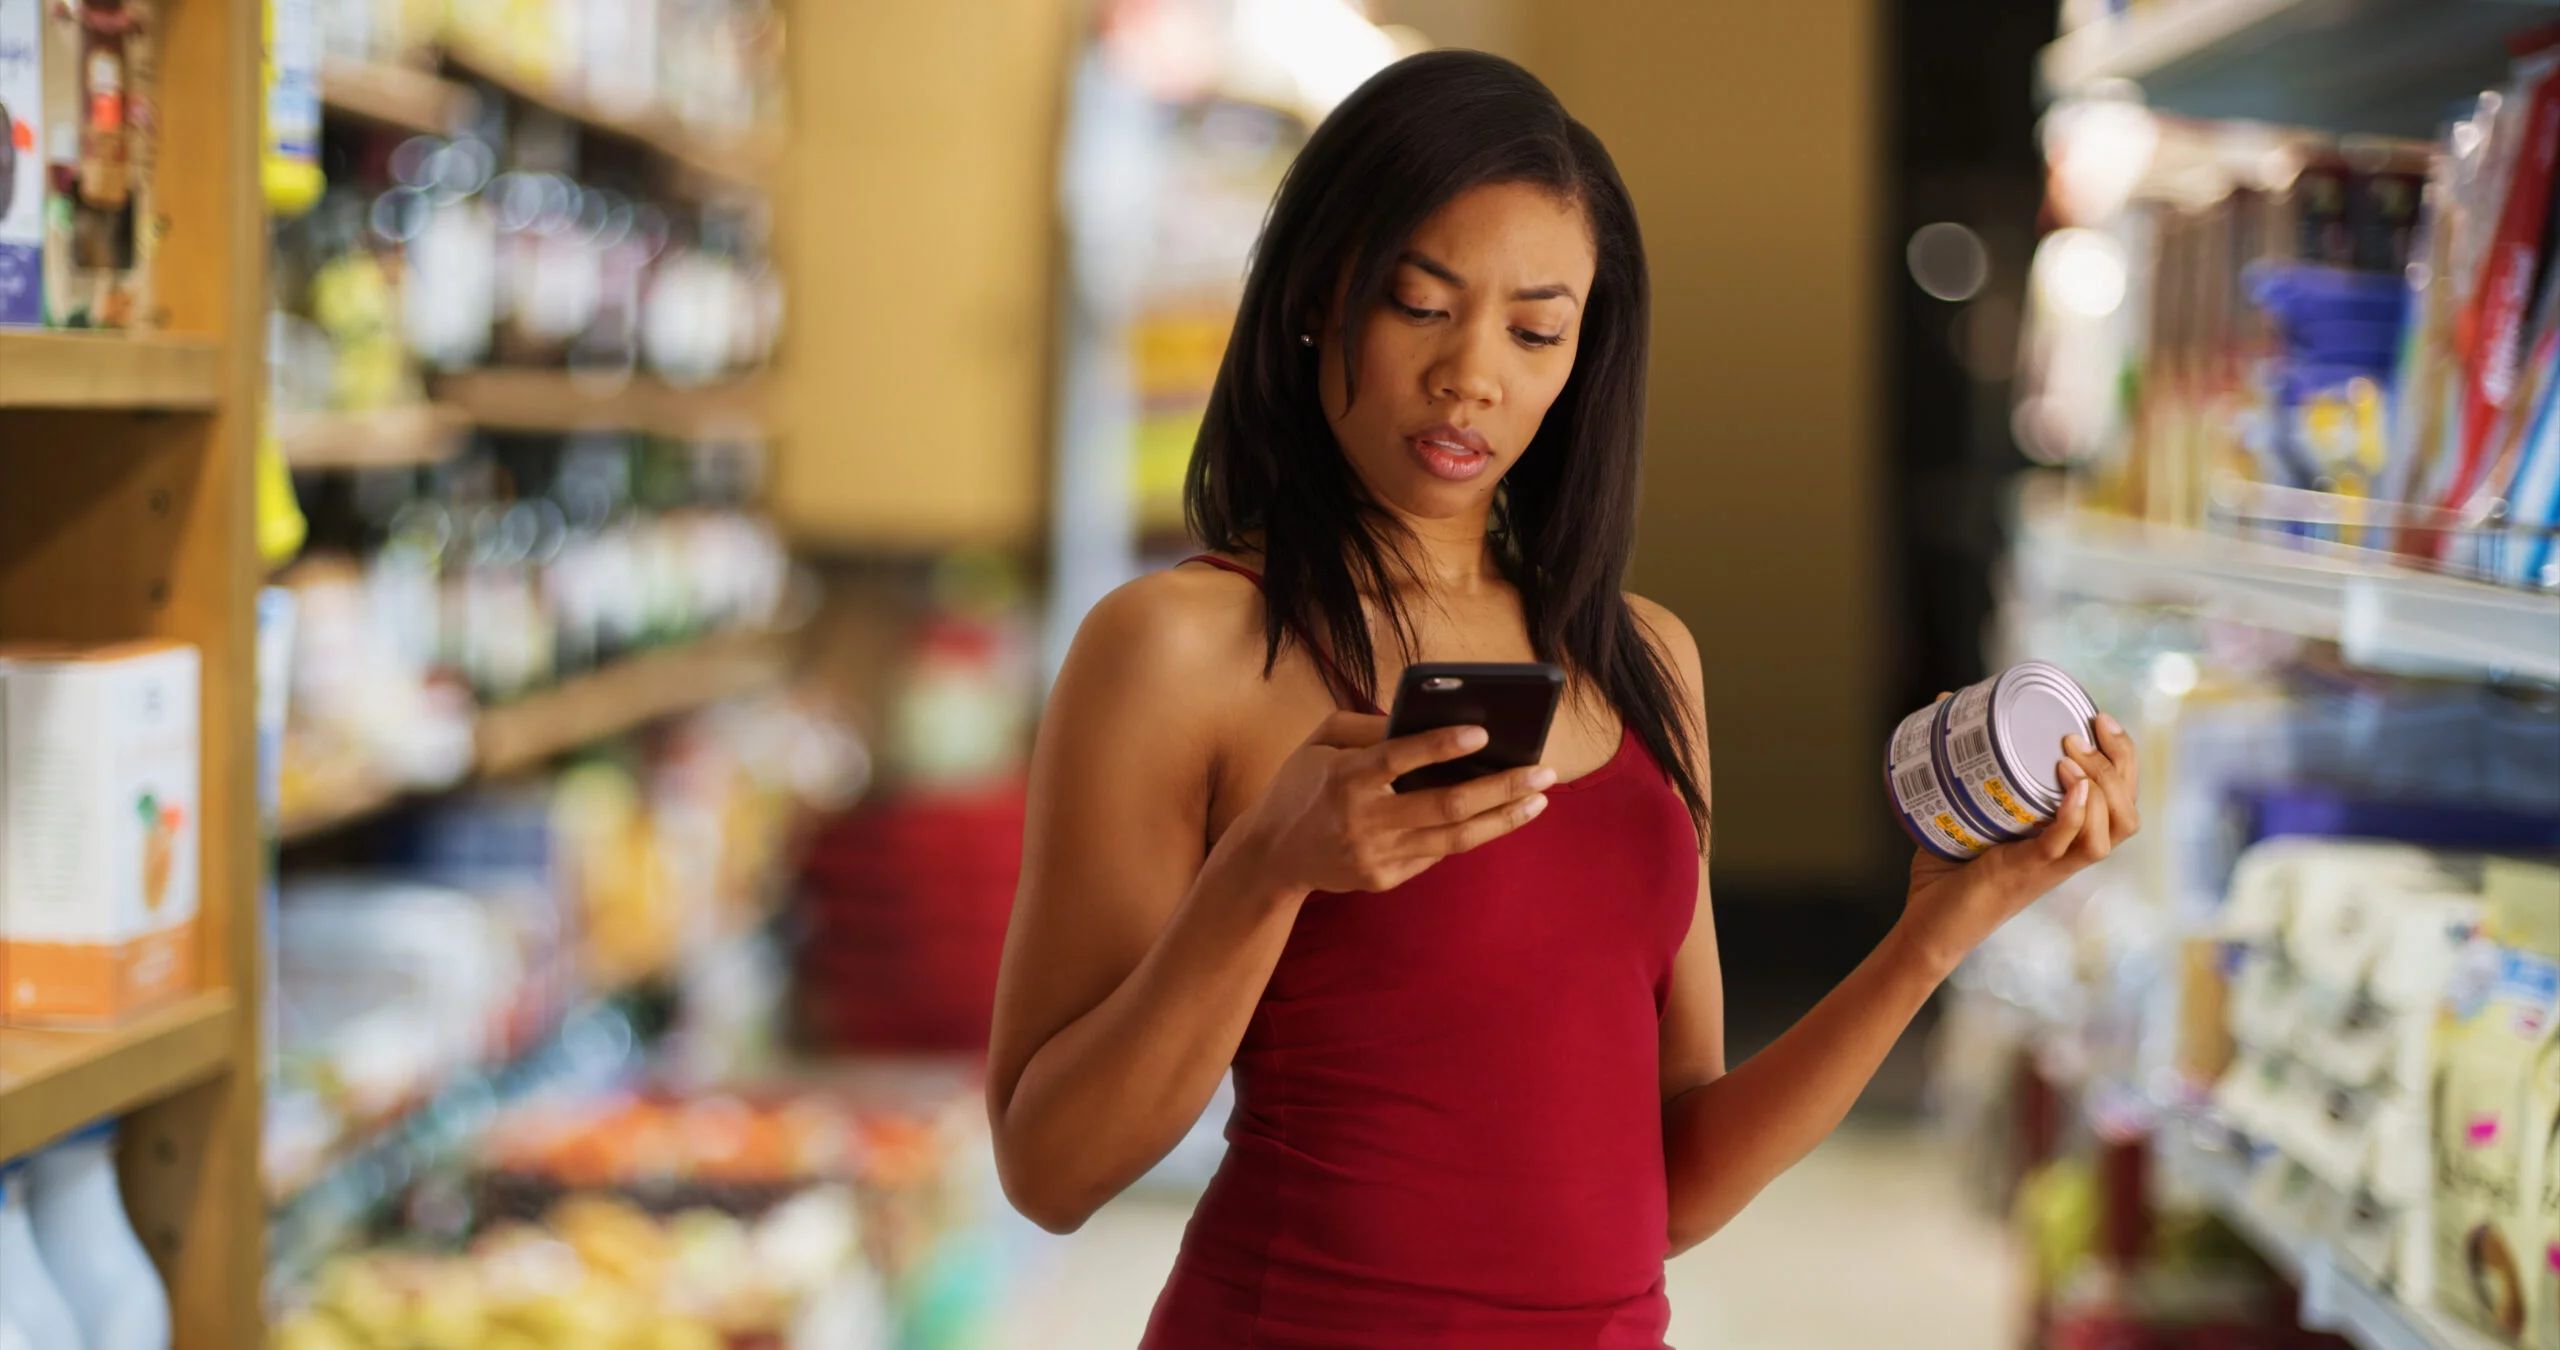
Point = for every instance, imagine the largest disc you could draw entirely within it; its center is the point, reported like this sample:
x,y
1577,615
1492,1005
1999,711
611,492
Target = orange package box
x,y
99,825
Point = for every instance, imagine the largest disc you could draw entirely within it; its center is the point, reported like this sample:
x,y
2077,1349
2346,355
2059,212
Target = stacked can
x,y
1978,769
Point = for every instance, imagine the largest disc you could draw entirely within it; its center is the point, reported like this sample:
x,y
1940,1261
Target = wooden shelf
x,y
559,402
426,433
47,369
404,98
337,811
744,162
53,1082
626,695
2381,66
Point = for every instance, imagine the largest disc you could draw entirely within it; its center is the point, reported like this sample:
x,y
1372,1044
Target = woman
x,y
1477,1033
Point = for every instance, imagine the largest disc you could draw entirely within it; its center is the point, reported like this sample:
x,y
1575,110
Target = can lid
x,y
2033,708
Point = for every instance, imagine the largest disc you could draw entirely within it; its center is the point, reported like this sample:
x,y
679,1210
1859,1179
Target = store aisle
x,y
1870,1242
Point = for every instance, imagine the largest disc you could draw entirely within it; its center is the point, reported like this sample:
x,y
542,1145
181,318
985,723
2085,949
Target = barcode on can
x,y
1975,743
1915,785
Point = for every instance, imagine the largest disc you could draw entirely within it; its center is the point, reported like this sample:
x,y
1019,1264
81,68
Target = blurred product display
x,y
428,594
801,1215
79,91
2305,338
445,912
2290,1043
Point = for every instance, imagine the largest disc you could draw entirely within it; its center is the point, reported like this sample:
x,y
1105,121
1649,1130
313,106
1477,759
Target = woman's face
x,y
1460,362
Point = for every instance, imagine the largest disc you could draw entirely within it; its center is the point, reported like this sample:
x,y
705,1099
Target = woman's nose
x,y
1464,374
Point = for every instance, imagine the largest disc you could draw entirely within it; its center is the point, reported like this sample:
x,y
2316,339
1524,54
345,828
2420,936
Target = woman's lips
x,y
1455,454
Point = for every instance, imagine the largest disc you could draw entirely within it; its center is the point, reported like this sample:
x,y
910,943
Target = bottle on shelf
x,y
77,1215
30,1303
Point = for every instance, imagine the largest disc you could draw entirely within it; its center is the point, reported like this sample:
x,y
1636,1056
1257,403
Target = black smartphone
x,y
1514,701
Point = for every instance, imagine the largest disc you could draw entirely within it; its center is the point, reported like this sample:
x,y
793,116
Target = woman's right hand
x,y
1332,820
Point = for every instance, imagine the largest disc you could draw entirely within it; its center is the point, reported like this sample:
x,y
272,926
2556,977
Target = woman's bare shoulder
x,y
1175,633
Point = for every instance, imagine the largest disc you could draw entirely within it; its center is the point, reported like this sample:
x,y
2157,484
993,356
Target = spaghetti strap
x,y
1224,566
1344,692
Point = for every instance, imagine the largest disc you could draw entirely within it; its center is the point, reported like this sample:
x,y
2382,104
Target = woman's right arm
x,y
1137,953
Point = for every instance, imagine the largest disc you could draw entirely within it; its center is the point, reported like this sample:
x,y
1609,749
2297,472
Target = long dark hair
x,y
1266,470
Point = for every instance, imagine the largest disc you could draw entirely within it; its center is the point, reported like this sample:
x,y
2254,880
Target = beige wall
x,y
1747,134
916,232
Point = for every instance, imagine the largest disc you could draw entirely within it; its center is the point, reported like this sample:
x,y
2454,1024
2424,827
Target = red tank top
x,y
1448,1120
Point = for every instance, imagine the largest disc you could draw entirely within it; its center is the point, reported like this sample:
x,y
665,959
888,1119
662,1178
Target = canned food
x,y
1912,780
1978,768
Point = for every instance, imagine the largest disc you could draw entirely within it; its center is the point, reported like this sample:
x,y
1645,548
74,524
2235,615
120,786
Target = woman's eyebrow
x,y
1553,290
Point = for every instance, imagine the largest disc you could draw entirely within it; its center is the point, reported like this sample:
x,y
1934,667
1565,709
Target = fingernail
x,y
2071,773
1541,779
1471,738
1529,809
2076,744
2110,725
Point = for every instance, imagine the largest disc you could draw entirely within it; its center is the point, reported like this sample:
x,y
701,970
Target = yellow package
x,y
2490,1258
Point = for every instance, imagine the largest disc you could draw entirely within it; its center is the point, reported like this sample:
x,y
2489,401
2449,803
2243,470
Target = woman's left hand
x,y
1952,907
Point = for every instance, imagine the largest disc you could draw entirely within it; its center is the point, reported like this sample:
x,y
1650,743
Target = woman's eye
x,y
1414,311
1529,338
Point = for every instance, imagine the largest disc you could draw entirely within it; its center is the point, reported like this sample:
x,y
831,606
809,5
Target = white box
x,y
101,773
22,163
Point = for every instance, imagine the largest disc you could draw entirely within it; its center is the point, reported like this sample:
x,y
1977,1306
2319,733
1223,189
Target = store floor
x,y
1870,1242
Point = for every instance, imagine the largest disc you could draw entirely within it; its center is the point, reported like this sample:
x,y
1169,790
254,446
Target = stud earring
x,y
1306,339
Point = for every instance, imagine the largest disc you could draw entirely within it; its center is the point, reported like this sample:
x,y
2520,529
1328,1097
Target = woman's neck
x,y
1450,557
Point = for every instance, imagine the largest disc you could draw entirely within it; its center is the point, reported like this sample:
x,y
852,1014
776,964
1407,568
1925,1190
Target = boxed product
x,y
2498,1019
21,163
99,872
101,144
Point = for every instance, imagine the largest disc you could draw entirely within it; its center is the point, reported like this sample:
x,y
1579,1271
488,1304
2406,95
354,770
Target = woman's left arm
x,y
1727,1135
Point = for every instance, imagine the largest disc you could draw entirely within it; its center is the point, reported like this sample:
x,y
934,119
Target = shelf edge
x,y
96,371
155,1056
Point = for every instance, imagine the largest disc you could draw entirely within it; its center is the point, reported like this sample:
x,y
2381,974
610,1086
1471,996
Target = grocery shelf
x,y
2337,1295
556,401
404,98
590,1047
2382,616
2222,1177
51,369
53,1082
424,433
2384,66
738,162
629,694
517,736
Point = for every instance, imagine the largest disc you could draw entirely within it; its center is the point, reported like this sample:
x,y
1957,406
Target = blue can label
x,y
1911,773
1981,785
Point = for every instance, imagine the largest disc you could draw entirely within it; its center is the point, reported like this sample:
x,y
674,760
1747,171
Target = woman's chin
x,y
1423,497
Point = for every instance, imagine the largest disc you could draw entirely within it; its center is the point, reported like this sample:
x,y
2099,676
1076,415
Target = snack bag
x,y
2498,1019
